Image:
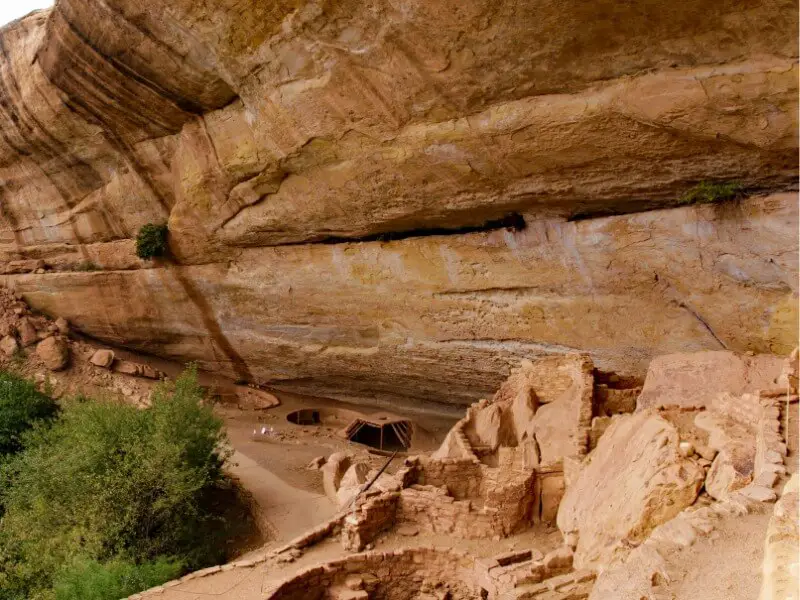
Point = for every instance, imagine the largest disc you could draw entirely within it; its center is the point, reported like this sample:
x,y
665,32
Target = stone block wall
x,y
471,500
771,447
397,575
510,490
433,511
375,515
583,373
781,575
463,478
610,401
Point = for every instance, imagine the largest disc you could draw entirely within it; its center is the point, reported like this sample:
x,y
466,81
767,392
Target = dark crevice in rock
x,y
643,205
511,221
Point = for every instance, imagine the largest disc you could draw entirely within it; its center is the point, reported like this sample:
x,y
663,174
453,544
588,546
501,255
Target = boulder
x,y
27,332
63,325
632,578
632,482
759,493
351,483
731,469
102,358
54,353
695,379
9,345
333,471
127,367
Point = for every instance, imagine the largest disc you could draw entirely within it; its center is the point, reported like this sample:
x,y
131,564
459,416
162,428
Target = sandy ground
x,y
723,566
250,584
286,511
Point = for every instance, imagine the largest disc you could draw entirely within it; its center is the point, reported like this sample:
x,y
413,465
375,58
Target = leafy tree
x,y
21,407
110,481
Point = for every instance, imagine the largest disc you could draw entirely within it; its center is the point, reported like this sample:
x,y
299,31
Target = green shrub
x,y
711,191
111,481
21,407
151,241
92,580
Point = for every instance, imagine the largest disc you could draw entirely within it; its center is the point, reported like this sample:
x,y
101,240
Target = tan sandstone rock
x,y
27,332
633,481
62,325
9,345
731,470
54,353
351,483
136,369
781,566
258,129
696,378
102,358
332,472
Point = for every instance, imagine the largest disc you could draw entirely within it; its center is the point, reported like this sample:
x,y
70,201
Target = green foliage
x,y
110,481
21,407
92,580
711,191
151,241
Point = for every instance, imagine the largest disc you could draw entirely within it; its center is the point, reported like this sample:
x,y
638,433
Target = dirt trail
x,y
288,511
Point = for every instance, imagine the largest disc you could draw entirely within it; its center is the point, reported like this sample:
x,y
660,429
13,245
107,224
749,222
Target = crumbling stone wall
x,y
375,515
463,478
472,500
397,575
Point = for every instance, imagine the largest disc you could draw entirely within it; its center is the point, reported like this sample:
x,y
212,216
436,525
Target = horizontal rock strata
x,y
465,148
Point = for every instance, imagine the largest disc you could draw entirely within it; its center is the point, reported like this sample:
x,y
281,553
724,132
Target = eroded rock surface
x,y
635,480
257,129
697,379
781,568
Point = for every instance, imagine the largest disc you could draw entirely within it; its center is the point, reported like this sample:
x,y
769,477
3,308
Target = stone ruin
x,y
621,470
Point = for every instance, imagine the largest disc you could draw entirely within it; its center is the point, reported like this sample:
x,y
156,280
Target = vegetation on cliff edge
x,y
111,499
151,241
712,191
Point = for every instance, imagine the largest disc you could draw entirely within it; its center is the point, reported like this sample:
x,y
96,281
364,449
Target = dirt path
x,y
289,511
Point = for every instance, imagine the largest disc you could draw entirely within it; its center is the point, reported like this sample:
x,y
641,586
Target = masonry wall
x,y
400,575
375,515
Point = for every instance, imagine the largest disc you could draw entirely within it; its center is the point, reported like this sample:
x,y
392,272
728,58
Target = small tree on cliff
x,y
151,241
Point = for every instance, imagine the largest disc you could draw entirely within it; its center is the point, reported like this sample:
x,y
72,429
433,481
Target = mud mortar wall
x,y
337,179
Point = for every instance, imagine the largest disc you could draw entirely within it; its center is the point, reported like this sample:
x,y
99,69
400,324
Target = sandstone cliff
x,y
335,176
